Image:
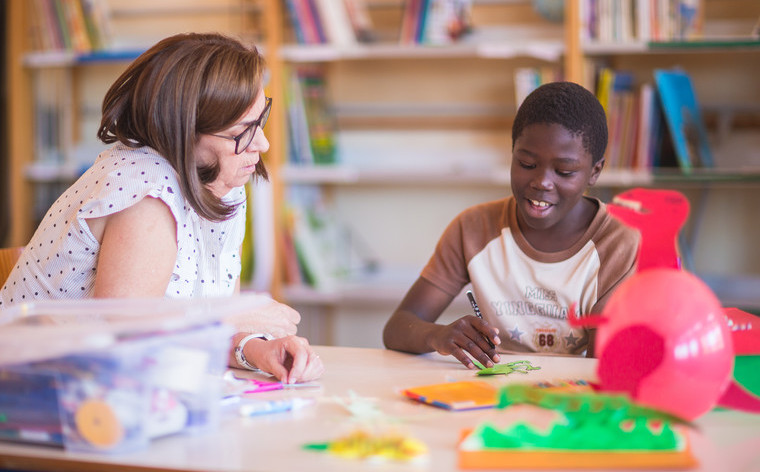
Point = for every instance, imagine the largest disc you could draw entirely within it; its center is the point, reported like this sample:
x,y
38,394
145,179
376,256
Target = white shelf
x,y
382,286
625,178
738,291
48,172
702,46
599,48
385,288
345,175
46,59
547,50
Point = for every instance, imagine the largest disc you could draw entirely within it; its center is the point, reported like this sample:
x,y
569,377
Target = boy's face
x,y
550,173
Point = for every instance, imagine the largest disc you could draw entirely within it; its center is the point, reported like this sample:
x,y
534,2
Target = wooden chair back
x,y
8,258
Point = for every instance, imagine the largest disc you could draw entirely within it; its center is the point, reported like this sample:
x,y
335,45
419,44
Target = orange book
x,y
462,395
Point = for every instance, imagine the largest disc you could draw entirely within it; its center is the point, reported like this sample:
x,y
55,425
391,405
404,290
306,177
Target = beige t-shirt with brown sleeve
x,y
527,293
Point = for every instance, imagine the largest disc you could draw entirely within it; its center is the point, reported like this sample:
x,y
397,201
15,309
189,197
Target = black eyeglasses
x,y
244,139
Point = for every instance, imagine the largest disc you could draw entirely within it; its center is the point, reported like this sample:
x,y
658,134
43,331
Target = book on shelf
x,y
639,136
617,94
292,273
299,146
625,21
81,26
320,250
361,21
527,79
305,21
312,126
335,22
51,119
646,128
622,122
435,21
683,118
316,240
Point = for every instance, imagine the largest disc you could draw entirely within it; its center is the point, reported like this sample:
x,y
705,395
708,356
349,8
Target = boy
x,y
529,256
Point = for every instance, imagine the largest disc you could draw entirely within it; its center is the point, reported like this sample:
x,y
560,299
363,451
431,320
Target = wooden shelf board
x,y
547,50
344,175
714,45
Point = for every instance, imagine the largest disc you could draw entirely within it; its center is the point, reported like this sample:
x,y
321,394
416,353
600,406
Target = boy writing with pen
x,y
529,256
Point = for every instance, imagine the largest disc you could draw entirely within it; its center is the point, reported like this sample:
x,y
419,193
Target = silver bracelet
x,y
240,357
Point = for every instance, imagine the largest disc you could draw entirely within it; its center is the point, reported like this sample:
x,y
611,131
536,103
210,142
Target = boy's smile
x,y
549,175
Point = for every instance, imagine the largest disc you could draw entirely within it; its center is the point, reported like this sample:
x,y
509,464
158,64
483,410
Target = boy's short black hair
x,y
570,105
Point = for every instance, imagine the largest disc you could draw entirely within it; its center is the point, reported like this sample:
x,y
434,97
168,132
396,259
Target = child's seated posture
x,y
529,256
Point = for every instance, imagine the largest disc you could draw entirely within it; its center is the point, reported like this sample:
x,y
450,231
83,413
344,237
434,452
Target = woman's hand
x,y
467,335
290,359
274,318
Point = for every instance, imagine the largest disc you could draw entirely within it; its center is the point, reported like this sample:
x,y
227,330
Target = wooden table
x,y
724,441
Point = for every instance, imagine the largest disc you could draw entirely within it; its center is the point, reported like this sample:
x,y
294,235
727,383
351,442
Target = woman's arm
x,y
138,250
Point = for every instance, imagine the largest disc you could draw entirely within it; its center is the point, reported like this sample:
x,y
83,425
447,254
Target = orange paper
x,y
462,395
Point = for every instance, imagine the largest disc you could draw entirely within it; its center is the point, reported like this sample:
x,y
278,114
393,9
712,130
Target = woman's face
x,y
234,169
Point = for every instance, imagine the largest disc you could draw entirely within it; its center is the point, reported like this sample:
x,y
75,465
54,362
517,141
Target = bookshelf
x,y
81,76
720,59
430,184
422,130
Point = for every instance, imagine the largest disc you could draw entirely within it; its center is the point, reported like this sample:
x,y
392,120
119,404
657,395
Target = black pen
x,y
476,309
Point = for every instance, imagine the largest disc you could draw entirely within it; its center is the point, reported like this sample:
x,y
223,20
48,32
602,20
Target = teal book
x,y
683,119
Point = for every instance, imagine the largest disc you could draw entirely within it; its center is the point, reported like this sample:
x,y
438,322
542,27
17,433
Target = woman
x,y
162,211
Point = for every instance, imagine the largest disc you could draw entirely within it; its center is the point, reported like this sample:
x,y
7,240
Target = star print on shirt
x,y
515,334
571,339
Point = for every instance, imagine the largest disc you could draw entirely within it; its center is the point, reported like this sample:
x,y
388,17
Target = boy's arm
x,y
412,328
413,323
590,350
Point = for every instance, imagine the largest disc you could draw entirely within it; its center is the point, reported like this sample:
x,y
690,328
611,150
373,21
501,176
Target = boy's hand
x,y
467,335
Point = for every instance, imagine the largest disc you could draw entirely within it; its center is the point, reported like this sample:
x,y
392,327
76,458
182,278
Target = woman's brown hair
x,y
184,86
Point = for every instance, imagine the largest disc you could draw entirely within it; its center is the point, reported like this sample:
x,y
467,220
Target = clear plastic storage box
x,y
109,376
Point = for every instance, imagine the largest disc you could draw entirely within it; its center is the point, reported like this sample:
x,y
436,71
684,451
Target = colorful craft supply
x,y
462,395
565,385
683,365
239,385
663,339
363,445
573,430
363,409
522,367
581,402
257,408
658,215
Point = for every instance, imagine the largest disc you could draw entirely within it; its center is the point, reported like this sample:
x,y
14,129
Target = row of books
x,y
311,123
435,21
650,125
318,250
337,22
81,26
653,125
624,21
348,22
528,79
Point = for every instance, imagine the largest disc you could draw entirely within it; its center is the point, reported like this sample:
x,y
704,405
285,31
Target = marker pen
x,y
273,406
476,309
